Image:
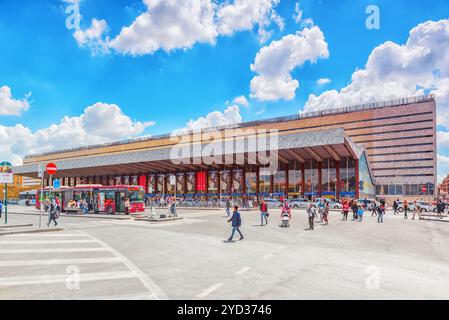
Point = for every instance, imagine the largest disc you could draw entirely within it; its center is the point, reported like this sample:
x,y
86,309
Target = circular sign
x,y
51,168
5,167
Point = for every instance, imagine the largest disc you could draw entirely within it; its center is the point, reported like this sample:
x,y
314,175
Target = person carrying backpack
x,y
53,214
236,220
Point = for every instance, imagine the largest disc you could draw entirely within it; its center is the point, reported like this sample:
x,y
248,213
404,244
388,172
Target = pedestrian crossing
x,y
69,265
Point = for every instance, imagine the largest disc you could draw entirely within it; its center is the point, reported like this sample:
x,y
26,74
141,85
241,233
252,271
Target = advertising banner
x,y
180,179
225,183
213,182
6,173
190,182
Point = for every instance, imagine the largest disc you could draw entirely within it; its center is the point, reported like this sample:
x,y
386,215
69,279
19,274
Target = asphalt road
x,y
188,259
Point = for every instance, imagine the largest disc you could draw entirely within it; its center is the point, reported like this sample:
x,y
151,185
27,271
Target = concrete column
x,y
286,181
257,182
357,179
338,183
303,179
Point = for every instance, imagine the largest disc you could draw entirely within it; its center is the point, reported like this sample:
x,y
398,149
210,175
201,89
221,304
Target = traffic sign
x,y
40,171
57,184
51,168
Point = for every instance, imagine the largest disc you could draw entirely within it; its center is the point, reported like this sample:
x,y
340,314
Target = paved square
x,y
188,259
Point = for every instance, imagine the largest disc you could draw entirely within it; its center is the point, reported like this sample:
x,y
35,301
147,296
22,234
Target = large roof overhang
x,y
240,151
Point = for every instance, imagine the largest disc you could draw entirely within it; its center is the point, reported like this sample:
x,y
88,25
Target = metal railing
x,y
299,116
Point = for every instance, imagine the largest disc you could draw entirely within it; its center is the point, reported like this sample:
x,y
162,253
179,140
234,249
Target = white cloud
x,y
397,71
323,81
443,138
241,101
275,62
179,24
94,37
10,106
297,16
245,14
99,123
214,119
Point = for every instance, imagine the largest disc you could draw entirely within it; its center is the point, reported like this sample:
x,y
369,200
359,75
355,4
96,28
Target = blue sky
x,y
168,88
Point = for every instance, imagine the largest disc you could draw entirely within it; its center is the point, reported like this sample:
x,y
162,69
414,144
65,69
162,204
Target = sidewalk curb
x,y
16,226
159,219
78,216
30,231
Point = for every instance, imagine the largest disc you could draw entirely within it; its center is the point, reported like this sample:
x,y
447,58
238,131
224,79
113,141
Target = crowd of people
x,y
320,212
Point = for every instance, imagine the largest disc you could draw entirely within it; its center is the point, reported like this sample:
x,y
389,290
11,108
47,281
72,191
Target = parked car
x,y
369,203
411,206
332,204
426,206
273,203
298,203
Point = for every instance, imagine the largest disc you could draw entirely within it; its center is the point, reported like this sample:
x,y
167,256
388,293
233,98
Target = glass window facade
x,y
347,175
264,181
294,179
425,189
251,181
329,176
311,177
279,183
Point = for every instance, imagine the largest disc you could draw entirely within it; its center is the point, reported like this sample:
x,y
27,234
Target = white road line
x,y
243,270
281,247
55,250
146,281
208,291
135,296
46,241
83,277
23,263
45,235
268,256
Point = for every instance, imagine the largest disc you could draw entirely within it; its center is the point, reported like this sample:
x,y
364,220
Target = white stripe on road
x,y
146,281
56,250
208,291
243,270
20,263
268,256
136,296
83,277
46,241
45,235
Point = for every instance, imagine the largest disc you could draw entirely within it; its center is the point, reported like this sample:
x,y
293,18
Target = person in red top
x,y
345,210
263,213
286,215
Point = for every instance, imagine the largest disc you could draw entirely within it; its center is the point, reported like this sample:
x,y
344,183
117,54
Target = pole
x,y
6,203
41,200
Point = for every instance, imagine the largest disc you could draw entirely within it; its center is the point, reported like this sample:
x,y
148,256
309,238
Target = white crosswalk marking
x,y
28,261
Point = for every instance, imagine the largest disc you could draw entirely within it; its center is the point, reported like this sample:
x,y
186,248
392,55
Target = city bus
x,y
27,198
99,198
50,192
110,199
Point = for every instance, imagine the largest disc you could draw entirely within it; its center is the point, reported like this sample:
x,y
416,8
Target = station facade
x,y
383,149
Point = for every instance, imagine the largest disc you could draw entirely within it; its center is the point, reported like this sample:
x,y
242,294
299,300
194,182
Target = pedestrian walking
x,y
326,214
263,213
354,209
440,209
380,213
416,210
321,206
228,207
311,213
286,215
236,220
405,209
374,209
53,214
395,207
345,210
360,213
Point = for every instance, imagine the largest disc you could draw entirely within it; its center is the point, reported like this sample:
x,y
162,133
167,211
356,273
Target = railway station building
x,y
381,149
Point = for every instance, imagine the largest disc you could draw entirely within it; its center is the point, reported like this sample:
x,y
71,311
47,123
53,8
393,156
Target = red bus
x,y
60,194
103,199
